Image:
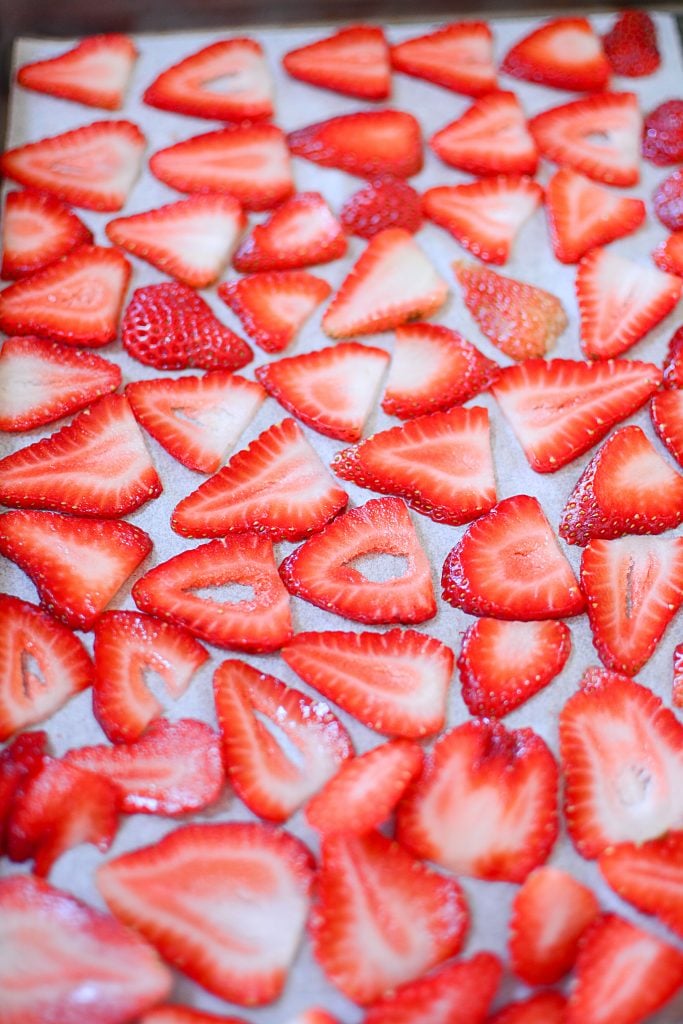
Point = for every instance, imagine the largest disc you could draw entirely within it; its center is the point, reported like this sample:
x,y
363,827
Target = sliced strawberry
x,y
276,486
274,306
677,691
668,201
182,591
564,53
353,61
673,368
322,570
366,143
519,319
458,56
332,390
545,1008
666,410
41,381
663,134
225,904
649,876
93,167
558,409
485,804
18,762
276,767
503,664
399,918
669,254
313,1016
250,162
37,230
491,137
95,72
302,231
631,45
385,202
226,81
395,683
186,1015
583,215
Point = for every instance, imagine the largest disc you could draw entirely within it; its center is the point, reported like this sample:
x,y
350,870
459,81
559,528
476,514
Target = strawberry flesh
x,y
666,410
366,143
300,233
564,53
458,56
649,876
37,230
353,61
490,138
95,72
545,1008
274,306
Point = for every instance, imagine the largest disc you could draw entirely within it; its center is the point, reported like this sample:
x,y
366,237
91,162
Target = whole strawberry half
x,y
384,203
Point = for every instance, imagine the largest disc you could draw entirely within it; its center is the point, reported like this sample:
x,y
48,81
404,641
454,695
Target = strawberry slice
x,y
312,1016
663,134
503,664
509,565
666,410
544,1008
366,143
274,306
353,61
564,53
669,254
392,282
275,767
41,381
249,162
385,202
519,319
560,408
331,390
276,486
18,762
76,300
485,216
583,215
458,56
93,167
37,230
485,804
226,81
631,45
186,1015
677,693
301,232
182,591
322,570
395,682
440,464
95,72
128,646
225,904
673,368
400,918
668,201
649,876
491,137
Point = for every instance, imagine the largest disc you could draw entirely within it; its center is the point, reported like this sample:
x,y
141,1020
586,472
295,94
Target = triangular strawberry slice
x,y
545,1008
491,137
322,571
649,876
37,230
367,143
565,53
458,56
279,745
583,215
666,411
276,486
392,282
95,72
301,232
353,61
668,255
274,306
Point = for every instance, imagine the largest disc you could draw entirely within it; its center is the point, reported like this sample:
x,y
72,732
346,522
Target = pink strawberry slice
x,y
353,61
666,410
76,300
385,202
37,230
399,918
583,215
485,216
127,647
395,682
649,876
485,804
503,664
673,368
274,306
42,381
491,137
560,408
668,255
509,565
94,167
299,233
458,56
279,745
622,757
322,570
668,201
677,690
366,143
564,53
441,464
198,893
276,486
545,1008
186,1015
225,81
95,72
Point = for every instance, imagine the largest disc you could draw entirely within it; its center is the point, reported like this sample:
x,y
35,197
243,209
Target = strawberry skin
x,y
545,1008
666,411
631,45
301,232
668,201
385,202
491,137
663,134
458,56
366,143
19,761
37,230
354,61
649,876
677,692
564,53
95,72
673,368
274,306
186,1015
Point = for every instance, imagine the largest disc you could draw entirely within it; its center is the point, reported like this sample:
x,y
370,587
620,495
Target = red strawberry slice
x,y
279,745
276,486
545,1008
353,61
631,45
458,56
399,918
301,232
171,327
18,762
127,647
274,306
93,167
186,1015
668,201
649,876
249,162
663,134
255,616
226,81
42,665
366,143
673,368
95,72
622,757
322,570
558,409
485,804
503,664
583,215
225,904
519,319
42,381
509,565
669,254
491,137
485,216
395,682
666,410
677,692
564,53
76,300
313,1016
37,230
69,960
385,203
440,464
